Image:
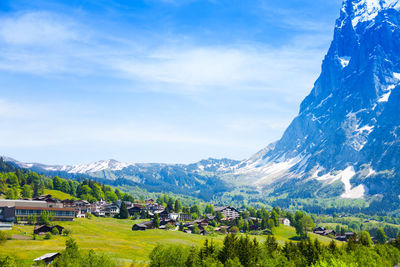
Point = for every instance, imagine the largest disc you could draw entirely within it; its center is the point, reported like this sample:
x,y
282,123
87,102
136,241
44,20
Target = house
x,y
80,214
111,210
7,214
173,216
163,215
185,217
323,231
149,201
143,226
139,227
48,258
210,217
43,229
68,203
5,226
319,229
285,221
135,210
228,212
128,204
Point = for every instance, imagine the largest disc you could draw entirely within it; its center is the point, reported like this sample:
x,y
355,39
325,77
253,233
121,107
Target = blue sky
x,y
170,81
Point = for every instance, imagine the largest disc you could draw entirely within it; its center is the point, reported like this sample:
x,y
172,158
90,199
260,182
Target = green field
x,y
58,194
114,237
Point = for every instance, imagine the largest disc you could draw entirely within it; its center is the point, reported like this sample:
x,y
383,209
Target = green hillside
x,y
58,194
114,237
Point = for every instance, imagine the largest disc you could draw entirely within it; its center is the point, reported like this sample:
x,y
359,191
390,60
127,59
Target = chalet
x,y
111,210
128,204
319,229
167,221
323,231
185,217
47,259
143,226
228,212
139,227
173,216
80,214
7,214
81,204
149,201
43,229
285,221
68,203
344,237
210,217
163,215
135,210
222,229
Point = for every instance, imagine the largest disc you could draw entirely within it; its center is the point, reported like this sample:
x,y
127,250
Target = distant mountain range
x,y
345,142
201,179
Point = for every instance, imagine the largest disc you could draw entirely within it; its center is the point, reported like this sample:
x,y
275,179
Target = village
x,y
153,215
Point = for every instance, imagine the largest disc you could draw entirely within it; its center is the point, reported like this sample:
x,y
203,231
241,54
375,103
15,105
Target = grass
x,y
115,237
58,194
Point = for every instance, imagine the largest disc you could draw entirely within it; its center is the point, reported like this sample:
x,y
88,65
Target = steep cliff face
x,y
349,125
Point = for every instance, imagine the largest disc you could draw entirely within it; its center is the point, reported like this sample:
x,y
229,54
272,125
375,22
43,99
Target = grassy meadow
x,y
114,237
58,194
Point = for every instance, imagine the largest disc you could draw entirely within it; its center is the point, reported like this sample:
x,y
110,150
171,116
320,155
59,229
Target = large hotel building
x,y
19,210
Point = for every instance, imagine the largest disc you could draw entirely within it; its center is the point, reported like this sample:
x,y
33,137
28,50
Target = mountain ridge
x,y
350,114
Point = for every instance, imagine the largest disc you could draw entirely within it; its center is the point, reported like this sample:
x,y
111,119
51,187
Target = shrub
x,y
234,229
67,232
48,236
8,261
55,231
3,237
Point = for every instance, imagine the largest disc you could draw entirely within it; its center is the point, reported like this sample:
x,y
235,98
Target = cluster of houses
x,y
331,233
174,221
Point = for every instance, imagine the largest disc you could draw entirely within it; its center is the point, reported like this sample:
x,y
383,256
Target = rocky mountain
x,y
199,179
345,141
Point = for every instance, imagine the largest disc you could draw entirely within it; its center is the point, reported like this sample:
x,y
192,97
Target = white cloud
x,y
11,110
180,67
37,28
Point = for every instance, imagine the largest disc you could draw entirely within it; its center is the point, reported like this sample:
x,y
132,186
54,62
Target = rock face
x,y
348,127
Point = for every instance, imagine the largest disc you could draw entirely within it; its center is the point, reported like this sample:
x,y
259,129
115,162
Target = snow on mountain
x,y
350,122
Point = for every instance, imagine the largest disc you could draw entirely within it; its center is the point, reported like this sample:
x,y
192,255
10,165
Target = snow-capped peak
x,y
101,165
367,10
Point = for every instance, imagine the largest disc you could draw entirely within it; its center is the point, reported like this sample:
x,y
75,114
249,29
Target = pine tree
x,y
178,206
123,211
381,236
156,221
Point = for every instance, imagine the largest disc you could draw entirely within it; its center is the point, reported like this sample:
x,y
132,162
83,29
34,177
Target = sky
x,y
172,81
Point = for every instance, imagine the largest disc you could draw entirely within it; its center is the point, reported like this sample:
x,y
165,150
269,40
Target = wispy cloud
x,y
38,28
178,67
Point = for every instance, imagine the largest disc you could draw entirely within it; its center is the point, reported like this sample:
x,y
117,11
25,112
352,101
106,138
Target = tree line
x,y
237,251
